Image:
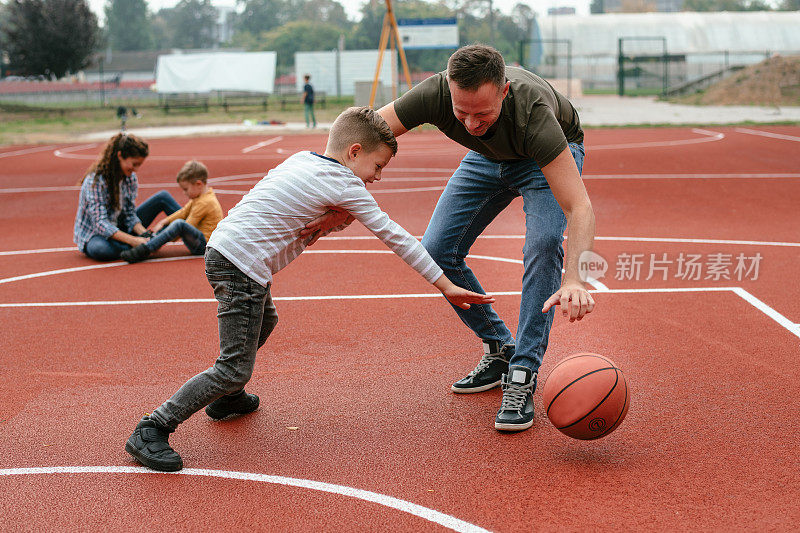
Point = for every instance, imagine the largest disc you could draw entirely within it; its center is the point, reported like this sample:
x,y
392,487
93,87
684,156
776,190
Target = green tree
x,y
298,36
259,16
327,11
50,36
790,5
128,26
193,24
597,7
366,34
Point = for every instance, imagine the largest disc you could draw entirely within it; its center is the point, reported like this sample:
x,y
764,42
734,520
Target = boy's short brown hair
x,y
472,66
360,125
193,171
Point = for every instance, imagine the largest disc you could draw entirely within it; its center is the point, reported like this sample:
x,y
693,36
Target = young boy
x,y
260,236
193,223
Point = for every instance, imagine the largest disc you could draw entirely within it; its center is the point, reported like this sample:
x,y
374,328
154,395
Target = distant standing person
x,y
308,102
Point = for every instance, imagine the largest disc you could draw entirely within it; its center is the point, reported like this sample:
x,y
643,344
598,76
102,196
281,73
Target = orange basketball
x,y
586,396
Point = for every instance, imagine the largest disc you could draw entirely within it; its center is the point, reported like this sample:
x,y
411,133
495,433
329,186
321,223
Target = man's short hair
x,y
472,66
193,171
361,125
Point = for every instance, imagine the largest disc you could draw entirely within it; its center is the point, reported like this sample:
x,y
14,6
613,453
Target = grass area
x,y
21,124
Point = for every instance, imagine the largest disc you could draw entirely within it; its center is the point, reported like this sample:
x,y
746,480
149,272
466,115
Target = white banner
x,y
224,71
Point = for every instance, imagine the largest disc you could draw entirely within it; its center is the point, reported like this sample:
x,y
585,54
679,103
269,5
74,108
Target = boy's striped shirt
x,y
261,234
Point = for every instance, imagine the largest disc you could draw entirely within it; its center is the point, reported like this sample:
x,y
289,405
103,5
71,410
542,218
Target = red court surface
x,y
358,429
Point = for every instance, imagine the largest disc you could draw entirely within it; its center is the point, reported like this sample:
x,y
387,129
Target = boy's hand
x,y
332,218
575,300
462,297
458,296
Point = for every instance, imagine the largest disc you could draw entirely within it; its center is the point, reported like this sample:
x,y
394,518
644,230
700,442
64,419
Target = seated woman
x,y
107,222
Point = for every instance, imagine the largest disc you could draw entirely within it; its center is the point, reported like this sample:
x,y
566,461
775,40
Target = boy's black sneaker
x,y
489,371
240,403
148,445
516,411
136,254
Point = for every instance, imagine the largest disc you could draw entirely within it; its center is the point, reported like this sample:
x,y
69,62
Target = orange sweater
x,y
203,212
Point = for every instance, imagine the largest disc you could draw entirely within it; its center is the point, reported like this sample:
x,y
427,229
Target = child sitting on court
x,y
260,236
193,223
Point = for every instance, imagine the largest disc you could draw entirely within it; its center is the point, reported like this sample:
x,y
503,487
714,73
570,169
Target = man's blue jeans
x,y
478,191
192,237
104,249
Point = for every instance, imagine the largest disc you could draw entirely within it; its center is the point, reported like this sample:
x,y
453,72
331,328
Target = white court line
x,y
418,237
27,151
748,131
262,144
242,192
40,251
630,239
57,188
405,506
742,293
259,175
67,152
221,179
180,258
765,175
91,267
709,136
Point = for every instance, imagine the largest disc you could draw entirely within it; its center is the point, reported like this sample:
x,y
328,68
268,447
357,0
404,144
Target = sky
x,y
353,7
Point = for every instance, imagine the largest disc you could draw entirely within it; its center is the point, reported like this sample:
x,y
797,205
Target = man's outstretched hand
x,y
575,300
318,227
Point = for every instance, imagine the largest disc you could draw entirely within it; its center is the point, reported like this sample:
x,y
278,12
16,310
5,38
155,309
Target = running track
x,y
358,429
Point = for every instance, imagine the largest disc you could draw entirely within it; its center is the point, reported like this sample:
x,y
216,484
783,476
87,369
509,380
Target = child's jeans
x,y
246,318
192,237
160,202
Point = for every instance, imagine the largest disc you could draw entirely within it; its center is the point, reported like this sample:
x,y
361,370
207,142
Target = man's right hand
x,y
332,218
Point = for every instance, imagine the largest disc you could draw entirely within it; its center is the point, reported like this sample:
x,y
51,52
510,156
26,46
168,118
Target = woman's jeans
x,y
246,317
104,249
478,191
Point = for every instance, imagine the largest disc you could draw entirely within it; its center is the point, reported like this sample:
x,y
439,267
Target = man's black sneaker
x,y
490,369
240,403
516,411
148,445
136,254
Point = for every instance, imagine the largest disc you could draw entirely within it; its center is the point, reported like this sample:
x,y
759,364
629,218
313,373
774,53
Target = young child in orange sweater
x,y
193,223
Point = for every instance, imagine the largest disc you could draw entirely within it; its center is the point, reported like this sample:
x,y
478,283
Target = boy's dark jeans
x,y
192,237
246,318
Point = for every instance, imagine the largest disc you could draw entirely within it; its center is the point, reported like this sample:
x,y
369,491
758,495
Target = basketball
x,y
586,396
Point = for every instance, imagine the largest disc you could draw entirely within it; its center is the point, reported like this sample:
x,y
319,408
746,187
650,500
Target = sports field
x,y
358,429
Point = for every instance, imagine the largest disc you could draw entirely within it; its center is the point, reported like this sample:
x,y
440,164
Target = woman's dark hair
x,y
107,165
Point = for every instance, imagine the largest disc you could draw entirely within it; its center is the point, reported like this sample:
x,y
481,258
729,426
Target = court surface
x,y
358,429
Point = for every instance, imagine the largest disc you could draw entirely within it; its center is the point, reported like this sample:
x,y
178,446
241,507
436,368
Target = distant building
x,y
627,6
700,43
226,18
561,11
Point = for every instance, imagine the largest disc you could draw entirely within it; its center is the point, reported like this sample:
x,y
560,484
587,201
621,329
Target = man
x,y
525,140
308,102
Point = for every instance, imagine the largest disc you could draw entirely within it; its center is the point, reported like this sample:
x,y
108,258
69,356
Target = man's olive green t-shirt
x,y
536,122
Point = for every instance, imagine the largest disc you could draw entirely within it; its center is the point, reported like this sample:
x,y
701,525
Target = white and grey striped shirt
x,y
261,234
